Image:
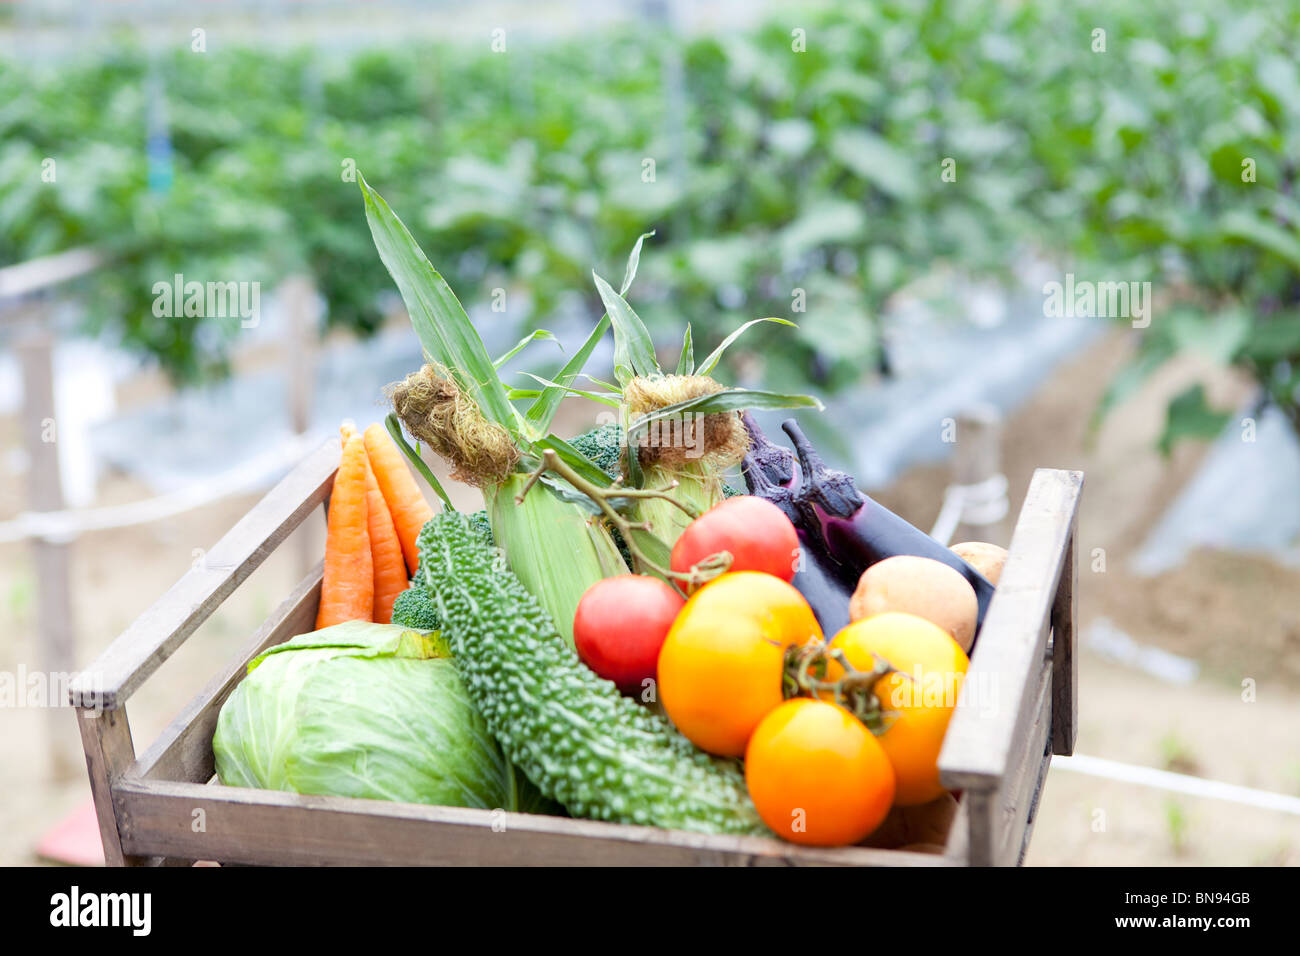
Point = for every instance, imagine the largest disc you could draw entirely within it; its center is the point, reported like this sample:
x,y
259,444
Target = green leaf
x,y
612,399
1130,378
727,400
1190,416
686,364
446,334
522,343
395,429
541,413
1274,338
877,161
1217,337
1242,225
715,356
601,382
633,262
633,348
576,460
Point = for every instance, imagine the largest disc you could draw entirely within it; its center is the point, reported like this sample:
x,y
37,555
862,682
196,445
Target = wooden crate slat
x,y
160,630
183,752
1065,662
273,828
978,748
106,737
1017,795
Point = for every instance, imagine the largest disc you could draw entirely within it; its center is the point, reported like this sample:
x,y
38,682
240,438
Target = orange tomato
x,y
929,669
720,666
816,775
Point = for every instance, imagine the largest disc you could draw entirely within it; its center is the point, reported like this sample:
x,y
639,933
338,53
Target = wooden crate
x,y
1017,708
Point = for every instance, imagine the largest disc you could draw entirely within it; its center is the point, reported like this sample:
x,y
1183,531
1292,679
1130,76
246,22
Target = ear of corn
x,y
556,548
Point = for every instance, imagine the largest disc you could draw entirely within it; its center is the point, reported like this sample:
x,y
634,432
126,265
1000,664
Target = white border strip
x,y
1178,783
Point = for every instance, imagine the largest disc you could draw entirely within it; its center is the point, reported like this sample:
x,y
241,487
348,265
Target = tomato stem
x,y
805,675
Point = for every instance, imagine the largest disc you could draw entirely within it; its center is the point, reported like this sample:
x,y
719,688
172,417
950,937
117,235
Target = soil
x,y
1233,613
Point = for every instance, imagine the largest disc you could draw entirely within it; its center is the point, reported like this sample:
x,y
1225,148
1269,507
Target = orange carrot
x,y
348,591
385,548
405,503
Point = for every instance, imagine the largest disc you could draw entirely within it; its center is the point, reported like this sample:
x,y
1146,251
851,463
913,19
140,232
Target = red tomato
x,y
756,532
620,625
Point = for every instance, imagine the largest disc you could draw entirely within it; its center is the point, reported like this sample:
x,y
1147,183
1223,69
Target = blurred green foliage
x,y
811,177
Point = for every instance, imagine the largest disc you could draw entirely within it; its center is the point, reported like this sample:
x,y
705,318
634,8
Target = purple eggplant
x,y
857,531
771,472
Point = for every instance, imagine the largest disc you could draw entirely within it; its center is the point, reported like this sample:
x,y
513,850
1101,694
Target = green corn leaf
x,y
633,348
715,356
612,399
542,412
395,429
575,459
728,400
523,343
686,363
446,334
601,382
633,261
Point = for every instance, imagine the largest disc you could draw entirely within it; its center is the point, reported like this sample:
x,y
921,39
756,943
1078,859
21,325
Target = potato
x,y
985,558
920,586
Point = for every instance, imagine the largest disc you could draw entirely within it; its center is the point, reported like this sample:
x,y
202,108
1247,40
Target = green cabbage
x,y
364,710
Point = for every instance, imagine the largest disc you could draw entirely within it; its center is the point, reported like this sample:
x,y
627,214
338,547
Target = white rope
x,y
1178,783
984,502
62,526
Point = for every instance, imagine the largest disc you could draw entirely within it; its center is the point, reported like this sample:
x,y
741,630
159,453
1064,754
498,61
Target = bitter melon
x,y
599,754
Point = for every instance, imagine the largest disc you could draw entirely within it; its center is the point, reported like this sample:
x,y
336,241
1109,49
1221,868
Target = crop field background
x,y
906,180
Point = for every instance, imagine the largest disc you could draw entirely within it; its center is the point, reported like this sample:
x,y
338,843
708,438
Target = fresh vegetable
x,y
721,668
415,607
573,734
987,559
753,531
858,531
816,775
459,406
603,446
406,504
348,587
363,710
682,429
772,473
620,626
391,578
920,586
917,698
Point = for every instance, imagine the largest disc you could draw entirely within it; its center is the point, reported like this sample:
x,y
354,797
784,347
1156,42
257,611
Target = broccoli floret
x,y
415,608
604,446
478,521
